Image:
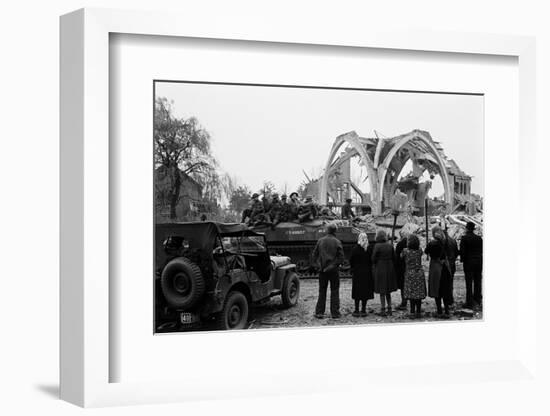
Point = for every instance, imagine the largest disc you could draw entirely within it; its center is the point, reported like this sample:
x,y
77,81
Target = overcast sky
x,y
273,133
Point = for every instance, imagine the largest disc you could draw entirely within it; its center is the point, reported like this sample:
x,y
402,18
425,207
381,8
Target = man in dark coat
x,y
328,254
471,255
347,211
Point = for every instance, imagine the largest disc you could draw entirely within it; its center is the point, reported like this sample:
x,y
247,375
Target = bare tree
x,y
182,147
239,199
267,188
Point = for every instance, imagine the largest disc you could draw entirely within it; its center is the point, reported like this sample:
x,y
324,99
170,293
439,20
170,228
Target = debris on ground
x,y
279,322
302,315
465,312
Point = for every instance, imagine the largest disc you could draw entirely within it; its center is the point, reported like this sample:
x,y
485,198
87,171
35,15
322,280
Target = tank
x,y
297,240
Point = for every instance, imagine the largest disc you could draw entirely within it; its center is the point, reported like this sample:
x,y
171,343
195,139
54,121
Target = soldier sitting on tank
x,y
266,203
284,216
245,217
257,213
275,210
347,210
294,206
308,210
326,213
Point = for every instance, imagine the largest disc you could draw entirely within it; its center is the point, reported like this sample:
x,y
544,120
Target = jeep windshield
x,y
244,244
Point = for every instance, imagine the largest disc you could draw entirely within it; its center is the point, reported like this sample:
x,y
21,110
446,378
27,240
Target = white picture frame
x,y
85,219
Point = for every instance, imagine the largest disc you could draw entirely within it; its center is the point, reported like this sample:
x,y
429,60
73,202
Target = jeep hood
x,y
279,261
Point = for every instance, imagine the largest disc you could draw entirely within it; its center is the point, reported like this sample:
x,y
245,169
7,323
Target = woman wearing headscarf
x,y
385,281
414,284
439,279
362,284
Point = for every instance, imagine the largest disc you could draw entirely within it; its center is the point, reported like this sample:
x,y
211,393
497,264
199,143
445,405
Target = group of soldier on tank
x,y
274,210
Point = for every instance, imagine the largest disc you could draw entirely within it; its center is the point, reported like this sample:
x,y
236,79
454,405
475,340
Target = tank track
x,y
290,250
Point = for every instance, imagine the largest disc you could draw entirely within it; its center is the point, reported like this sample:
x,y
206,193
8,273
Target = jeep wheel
x,y
182,283
291,290
235,312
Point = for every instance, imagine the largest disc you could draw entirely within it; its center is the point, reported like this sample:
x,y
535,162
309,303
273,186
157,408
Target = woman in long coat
x,y
385,280
400,266
362,284
440,285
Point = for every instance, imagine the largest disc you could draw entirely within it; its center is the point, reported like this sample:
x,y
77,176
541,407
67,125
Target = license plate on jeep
x,y
187,318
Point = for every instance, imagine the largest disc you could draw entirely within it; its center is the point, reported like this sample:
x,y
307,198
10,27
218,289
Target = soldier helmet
x,y
255,195
275,195
309,198
293,193
283,196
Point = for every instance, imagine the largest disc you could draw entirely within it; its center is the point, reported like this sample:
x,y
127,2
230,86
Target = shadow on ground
x,y
51,390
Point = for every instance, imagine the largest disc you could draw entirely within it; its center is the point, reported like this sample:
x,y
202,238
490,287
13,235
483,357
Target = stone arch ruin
x,y
384,159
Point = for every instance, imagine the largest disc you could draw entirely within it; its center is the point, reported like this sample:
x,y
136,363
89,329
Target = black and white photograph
x,y
291,206
296,207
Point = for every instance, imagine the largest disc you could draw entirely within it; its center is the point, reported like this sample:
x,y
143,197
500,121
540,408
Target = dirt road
x,y
272,315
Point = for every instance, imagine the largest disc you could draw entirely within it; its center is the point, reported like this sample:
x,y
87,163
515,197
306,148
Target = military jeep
x,y
209,272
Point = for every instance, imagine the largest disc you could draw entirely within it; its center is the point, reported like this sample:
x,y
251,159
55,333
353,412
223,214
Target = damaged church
x,y
384,160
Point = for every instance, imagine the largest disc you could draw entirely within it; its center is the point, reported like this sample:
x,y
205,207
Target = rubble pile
x,y
454,224
470,204
457,224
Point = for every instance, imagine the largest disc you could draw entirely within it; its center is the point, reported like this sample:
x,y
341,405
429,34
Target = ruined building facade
x,y
384,159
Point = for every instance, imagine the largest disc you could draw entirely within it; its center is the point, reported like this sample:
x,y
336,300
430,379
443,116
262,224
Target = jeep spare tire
x,y
234,314
182,283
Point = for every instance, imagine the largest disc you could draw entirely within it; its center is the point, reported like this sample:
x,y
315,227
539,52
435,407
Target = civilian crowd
x,y
380,268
